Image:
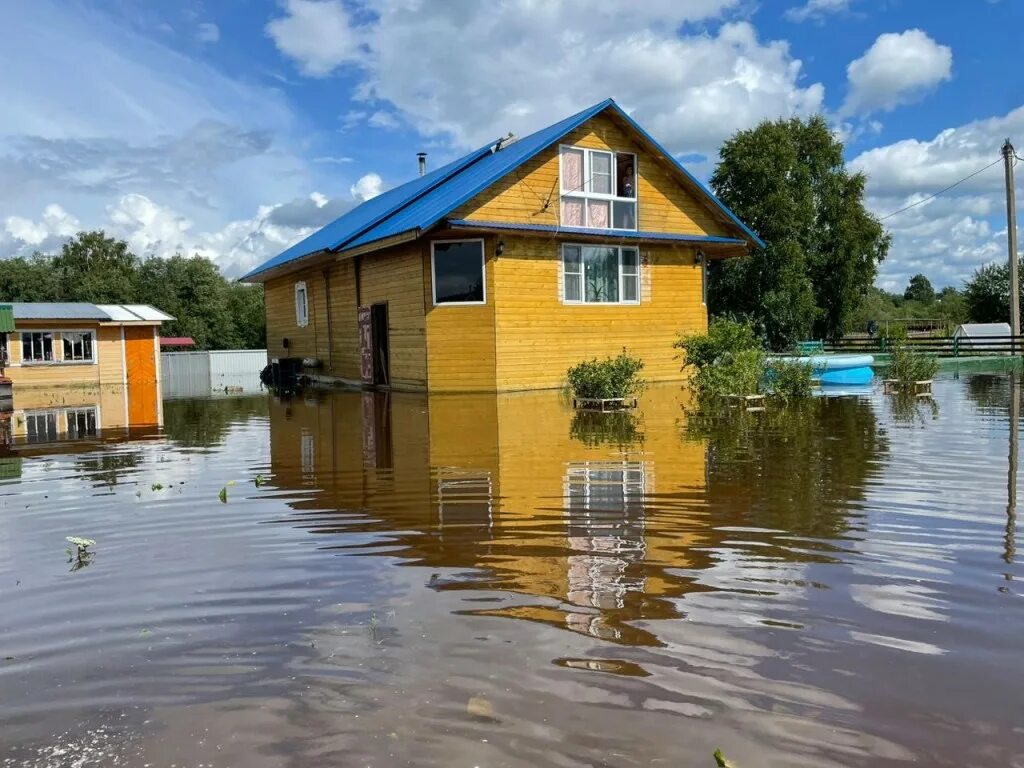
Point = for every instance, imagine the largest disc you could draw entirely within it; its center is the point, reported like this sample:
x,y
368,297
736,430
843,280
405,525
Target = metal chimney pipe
x,y
422,157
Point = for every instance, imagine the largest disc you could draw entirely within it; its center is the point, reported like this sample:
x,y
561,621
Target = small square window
x,y
458,272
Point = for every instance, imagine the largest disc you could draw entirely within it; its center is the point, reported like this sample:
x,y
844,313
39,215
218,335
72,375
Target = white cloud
x,y
368,186
950,236
816,10
55,222
530,64
318,34
208,32
897,69
381,119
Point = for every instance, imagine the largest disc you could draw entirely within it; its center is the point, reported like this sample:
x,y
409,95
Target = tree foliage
x,y
919,289
788,181
987,294
216,312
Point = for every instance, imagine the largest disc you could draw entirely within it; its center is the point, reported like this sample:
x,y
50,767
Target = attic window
x,y
301,304
598,188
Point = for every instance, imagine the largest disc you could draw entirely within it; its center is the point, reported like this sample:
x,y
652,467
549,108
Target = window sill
x,y
51,363
601,303
461,304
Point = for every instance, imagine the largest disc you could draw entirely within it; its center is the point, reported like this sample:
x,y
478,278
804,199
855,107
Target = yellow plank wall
x,y
56,374
539,337
394,276
663,204
460,339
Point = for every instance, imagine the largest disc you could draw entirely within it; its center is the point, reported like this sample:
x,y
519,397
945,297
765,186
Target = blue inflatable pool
x,y
839,370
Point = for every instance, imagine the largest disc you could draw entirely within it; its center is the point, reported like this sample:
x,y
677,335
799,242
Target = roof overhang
x,y
714,246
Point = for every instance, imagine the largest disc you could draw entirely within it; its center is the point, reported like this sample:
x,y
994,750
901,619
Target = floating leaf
x,y
231,482
157,487
223,495
79,543
720,760
259,480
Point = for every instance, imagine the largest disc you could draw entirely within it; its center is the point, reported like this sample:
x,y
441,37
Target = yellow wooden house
x,y
504,268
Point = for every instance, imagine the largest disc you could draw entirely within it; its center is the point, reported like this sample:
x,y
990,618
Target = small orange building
x,y
504,268
57,349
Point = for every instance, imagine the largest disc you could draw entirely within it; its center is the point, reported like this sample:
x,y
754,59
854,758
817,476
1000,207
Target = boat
x,y
838,370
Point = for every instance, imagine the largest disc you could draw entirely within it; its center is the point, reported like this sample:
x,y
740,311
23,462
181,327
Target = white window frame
x,y
585,194
483,272
89,411
582,301
704,280
301,310
92,348
54,345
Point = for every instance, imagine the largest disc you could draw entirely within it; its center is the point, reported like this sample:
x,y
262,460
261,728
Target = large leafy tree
x,y
95,268
987,294
788,181
919,289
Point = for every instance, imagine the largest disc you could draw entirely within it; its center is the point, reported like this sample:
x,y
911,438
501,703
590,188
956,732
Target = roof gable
x,y
420,204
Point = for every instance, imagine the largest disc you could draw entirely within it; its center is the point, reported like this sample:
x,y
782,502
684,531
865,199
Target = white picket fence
x,y
199,374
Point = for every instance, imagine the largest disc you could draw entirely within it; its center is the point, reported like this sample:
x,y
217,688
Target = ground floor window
x,y
81,422
37,347
77,346
41,427
457,271
600,274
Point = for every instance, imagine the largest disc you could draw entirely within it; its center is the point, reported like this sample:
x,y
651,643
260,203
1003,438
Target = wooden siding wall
x,y
664,205
394,276
108,370
461,339
539,338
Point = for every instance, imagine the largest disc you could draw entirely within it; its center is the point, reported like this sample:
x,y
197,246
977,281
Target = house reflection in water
x,y
66,414
503,491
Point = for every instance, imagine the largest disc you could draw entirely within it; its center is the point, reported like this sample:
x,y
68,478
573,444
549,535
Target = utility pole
x,y
1011,239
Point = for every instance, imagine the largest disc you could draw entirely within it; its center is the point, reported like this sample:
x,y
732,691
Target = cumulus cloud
x,y
816,10
950,236
690,89
368,186
317,34
153,229
897,69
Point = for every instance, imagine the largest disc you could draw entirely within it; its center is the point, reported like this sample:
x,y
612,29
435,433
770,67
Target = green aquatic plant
x,y
259,480
157,487
611,378
720,760
78,553
223,495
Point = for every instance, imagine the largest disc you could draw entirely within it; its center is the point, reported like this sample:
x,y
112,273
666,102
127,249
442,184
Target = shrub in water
x,y
727,360
907,366
791,379
613,377
724,336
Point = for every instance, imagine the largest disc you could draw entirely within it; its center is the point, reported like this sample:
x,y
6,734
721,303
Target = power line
x,y
945,189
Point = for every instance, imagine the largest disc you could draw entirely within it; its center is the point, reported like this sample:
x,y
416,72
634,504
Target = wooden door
x,y
140,352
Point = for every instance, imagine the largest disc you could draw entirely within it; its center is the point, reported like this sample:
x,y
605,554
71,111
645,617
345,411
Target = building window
x,y
77,346
81,422
301,305
37,347
41,427
457,269
598,274
704,280
598,188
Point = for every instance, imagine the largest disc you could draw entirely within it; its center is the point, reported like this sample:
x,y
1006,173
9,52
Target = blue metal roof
x,y
608,234
425,201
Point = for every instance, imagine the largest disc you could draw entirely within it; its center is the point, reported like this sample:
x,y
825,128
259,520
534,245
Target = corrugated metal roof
x,y
625,234
46,310
423,202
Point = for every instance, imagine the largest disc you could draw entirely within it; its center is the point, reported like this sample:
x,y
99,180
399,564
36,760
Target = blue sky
x,y
232,129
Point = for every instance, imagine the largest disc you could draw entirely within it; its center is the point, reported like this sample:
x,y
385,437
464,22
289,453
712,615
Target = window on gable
x,y
301,305
599,274
458,272
598,188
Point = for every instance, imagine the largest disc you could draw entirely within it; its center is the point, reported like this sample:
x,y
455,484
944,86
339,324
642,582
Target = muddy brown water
x,y
491,581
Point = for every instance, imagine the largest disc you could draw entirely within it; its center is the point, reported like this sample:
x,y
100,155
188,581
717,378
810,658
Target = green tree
x,y
788,181
97,269
987,294
919,289
30,279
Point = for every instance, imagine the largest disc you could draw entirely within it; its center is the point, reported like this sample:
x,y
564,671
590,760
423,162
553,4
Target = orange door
x,y
140,360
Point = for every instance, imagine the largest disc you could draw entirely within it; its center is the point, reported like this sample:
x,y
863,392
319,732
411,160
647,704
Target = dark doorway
x,y
379,327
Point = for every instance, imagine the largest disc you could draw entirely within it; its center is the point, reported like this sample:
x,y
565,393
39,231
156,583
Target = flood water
x,y
487,581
